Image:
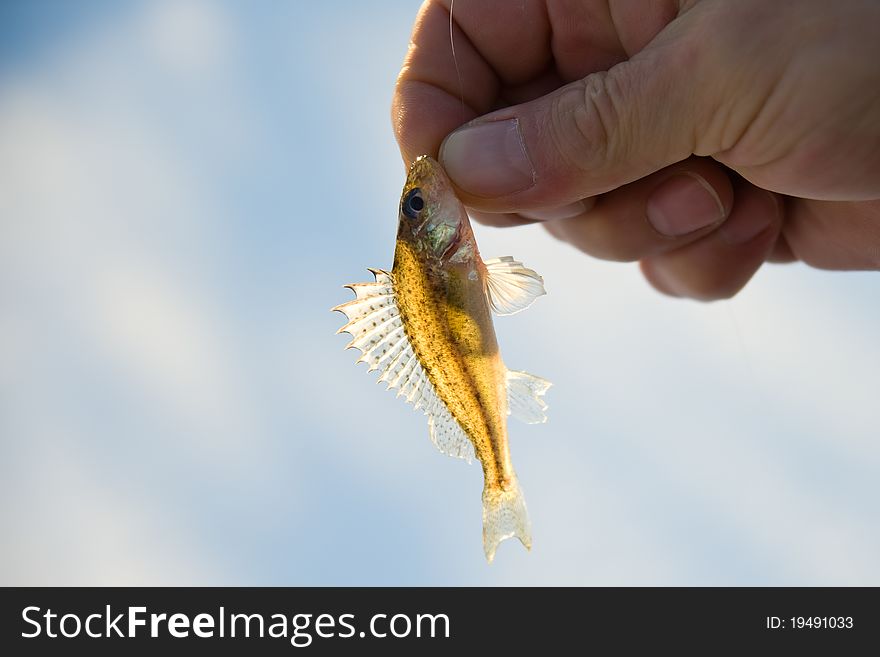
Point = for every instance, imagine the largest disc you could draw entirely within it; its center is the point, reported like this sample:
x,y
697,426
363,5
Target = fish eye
x,y
413,203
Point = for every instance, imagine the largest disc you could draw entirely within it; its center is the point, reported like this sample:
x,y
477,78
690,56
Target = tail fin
x,y
504,516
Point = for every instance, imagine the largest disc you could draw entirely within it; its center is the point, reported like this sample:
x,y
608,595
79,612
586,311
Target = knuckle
x,y
587,127
592,120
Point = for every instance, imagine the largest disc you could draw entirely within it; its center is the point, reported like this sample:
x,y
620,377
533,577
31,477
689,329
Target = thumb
x,y
586,138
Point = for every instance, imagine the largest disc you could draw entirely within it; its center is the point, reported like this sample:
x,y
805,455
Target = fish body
x,y
427,326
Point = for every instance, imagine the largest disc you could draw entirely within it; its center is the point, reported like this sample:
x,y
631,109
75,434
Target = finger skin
x,y
573,144
436,92
429,102
617,227
500,220
834,235
712,268
508,52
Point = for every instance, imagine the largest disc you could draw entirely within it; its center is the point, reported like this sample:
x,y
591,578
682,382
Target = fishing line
x,y
750,370
455,59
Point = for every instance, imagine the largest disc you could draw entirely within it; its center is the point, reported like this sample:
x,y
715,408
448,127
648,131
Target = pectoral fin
x,y
511,287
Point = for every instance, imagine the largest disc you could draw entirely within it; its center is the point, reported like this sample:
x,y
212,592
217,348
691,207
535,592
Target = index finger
x,y
493,47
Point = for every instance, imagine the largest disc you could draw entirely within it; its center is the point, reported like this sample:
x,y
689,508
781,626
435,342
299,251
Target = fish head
x,y
432,219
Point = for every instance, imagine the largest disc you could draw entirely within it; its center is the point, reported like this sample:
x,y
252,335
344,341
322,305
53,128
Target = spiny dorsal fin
x,y
525,397
511,287
377,331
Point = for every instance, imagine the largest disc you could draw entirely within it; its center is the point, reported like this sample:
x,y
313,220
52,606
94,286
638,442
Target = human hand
x,y
701,137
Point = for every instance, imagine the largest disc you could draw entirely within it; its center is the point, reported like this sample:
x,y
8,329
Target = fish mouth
x,y
426,171
424,162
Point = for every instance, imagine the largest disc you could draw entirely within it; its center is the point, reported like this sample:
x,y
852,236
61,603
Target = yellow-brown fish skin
x,y
440,288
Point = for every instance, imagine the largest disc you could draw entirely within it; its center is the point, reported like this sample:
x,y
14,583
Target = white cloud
x,y
76,524
190,37
106,248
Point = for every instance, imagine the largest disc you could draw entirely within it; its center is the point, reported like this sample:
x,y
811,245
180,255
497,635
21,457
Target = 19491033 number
x,y
821,622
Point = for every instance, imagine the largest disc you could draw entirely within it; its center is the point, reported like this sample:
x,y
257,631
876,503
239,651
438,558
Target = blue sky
x,y
184,188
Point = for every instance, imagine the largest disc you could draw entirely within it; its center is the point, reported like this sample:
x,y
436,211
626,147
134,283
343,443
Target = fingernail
x,y
561,212
743,227
488,159
682,204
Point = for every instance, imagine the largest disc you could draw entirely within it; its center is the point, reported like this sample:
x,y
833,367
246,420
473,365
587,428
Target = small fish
x,y
426,326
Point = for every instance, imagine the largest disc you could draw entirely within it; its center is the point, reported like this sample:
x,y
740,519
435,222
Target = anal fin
x,y
525,397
